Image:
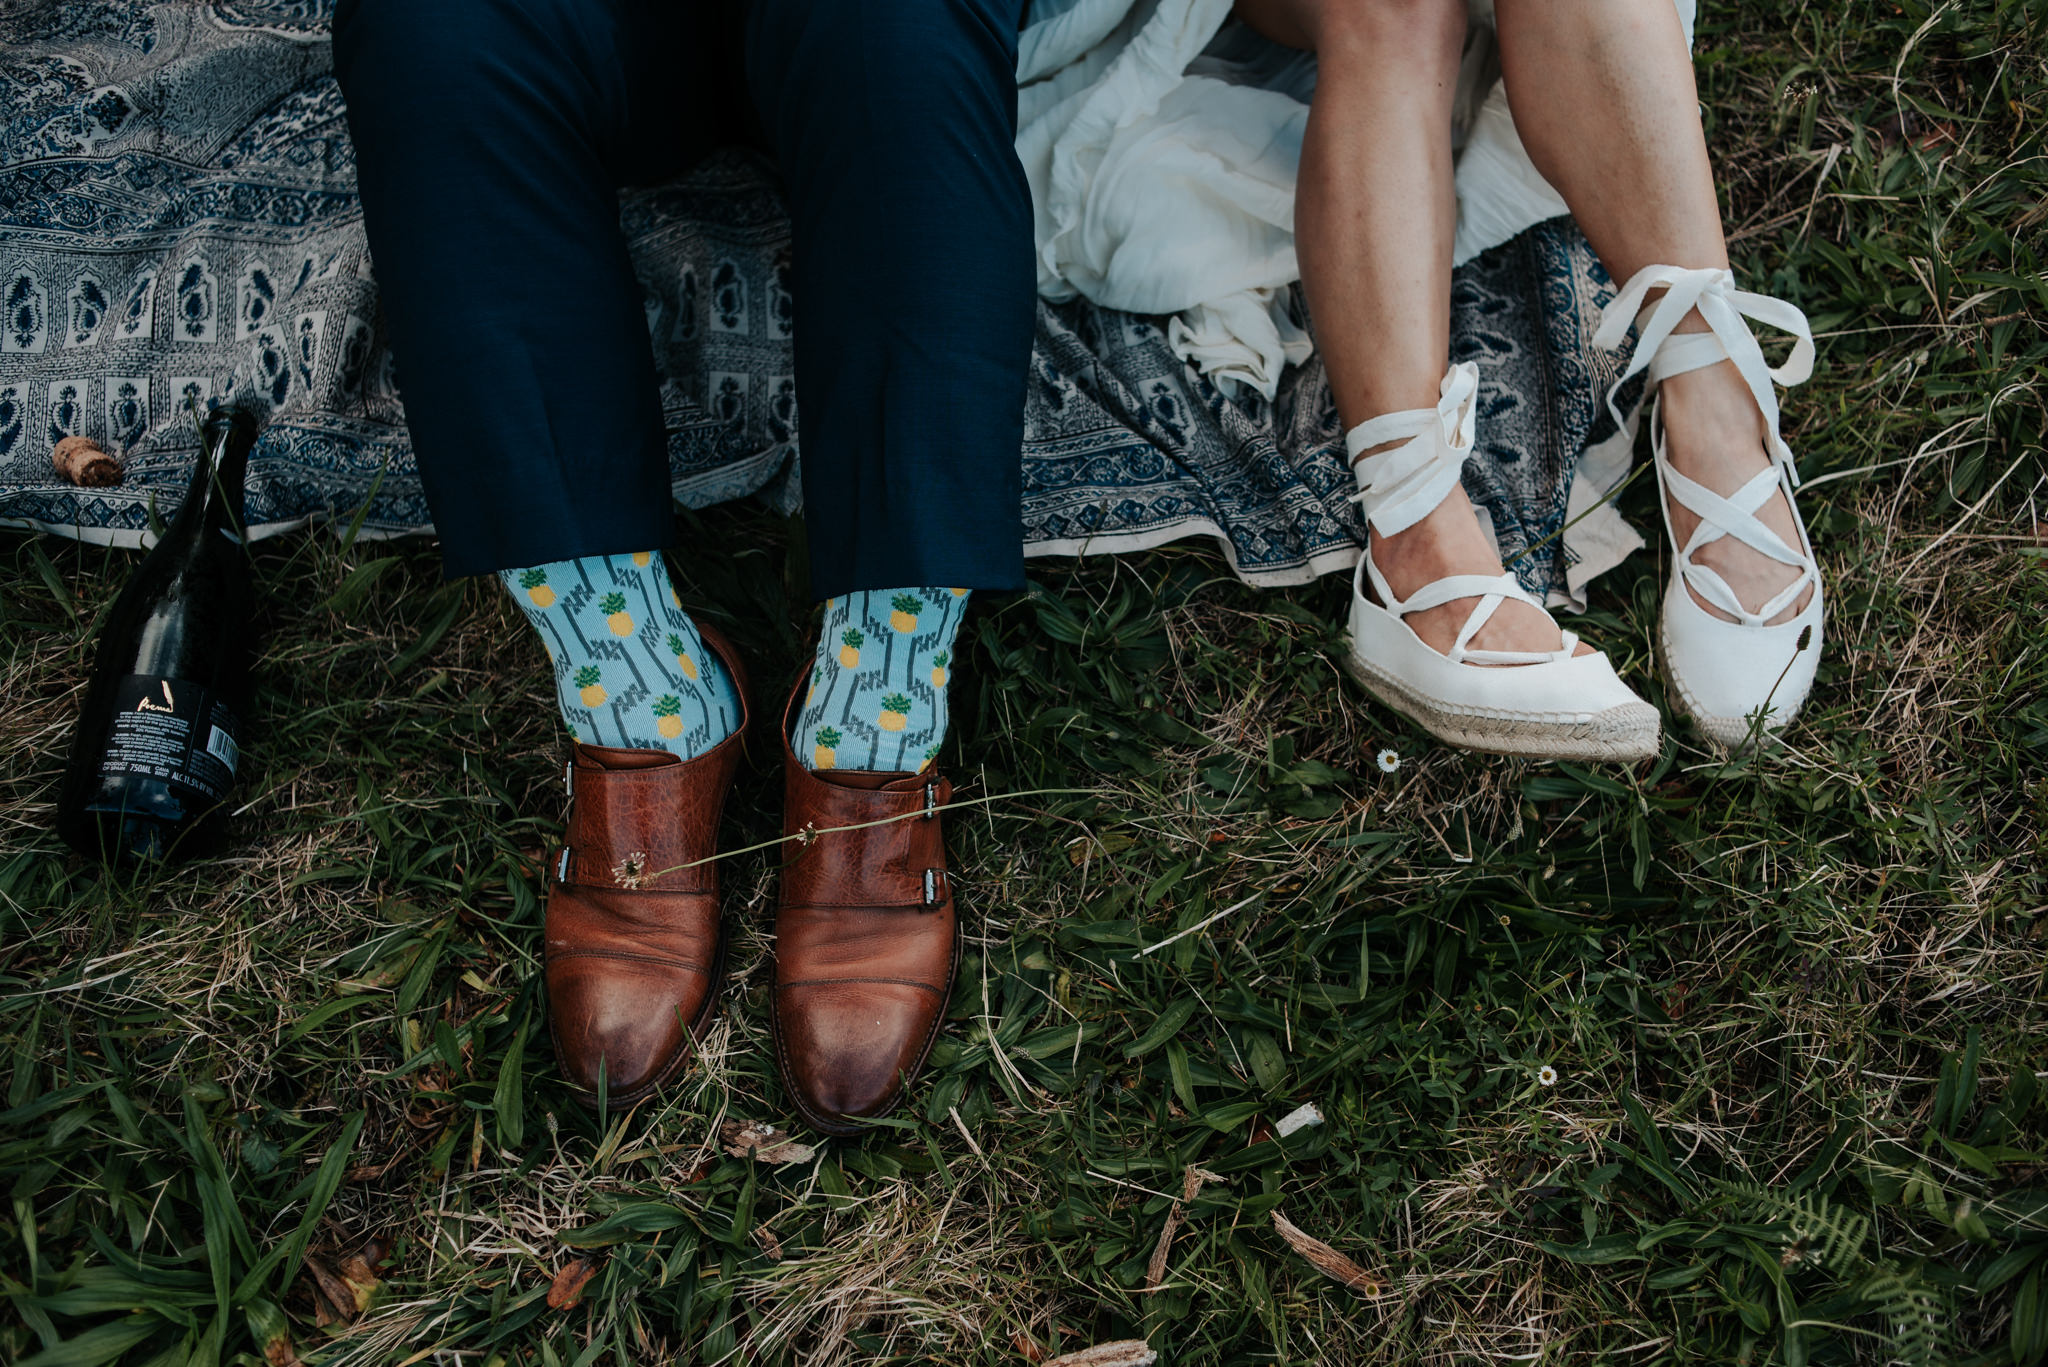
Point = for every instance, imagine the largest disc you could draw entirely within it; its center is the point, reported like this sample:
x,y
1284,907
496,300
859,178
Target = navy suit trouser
x,y
492,138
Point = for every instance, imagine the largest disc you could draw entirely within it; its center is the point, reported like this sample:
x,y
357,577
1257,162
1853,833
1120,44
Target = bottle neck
x,y
213,502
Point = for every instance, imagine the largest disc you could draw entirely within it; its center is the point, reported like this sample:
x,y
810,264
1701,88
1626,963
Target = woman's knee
x,y
1425,33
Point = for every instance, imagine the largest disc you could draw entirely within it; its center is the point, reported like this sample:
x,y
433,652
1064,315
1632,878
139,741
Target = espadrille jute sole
x,y
1624,733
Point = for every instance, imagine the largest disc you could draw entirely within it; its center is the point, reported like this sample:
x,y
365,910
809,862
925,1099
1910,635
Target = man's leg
x,y
894,122
490,139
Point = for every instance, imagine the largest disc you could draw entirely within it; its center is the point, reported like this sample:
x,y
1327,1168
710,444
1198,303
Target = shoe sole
x,y
1625,734
844,1129
1732,735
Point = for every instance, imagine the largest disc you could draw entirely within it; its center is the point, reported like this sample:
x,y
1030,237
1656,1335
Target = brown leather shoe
x,y
866,942
634,944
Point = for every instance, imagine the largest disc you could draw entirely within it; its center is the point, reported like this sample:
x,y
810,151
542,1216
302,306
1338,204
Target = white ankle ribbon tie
x,y
1662,352
1723,307
1399,487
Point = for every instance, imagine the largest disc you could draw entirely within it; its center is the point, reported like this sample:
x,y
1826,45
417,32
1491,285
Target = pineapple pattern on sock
x,y
630,668
877,693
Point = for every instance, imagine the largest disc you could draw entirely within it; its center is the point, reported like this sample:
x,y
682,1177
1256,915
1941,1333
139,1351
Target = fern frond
x,y
1918,1313
1835,1235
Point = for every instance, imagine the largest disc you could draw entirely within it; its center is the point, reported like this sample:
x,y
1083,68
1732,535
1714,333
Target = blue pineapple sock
x,y
878,688
630,668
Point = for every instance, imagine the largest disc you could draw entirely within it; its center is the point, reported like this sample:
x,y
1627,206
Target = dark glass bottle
x,y
161,729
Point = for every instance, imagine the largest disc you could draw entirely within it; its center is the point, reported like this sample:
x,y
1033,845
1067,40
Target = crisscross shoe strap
x,y
1664,352
1400,486
1491,590
1735,515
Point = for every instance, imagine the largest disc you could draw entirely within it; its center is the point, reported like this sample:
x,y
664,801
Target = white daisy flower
x,y
1547,1075
1390,760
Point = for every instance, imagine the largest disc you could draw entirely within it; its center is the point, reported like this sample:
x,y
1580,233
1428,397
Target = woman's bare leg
x,y
1373,221
1603,97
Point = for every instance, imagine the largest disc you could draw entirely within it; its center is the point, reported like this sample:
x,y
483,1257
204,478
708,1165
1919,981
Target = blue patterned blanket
x,y
178,220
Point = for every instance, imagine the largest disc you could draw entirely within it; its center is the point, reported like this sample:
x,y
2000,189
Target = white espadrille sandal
x,y
1543,704
1743,678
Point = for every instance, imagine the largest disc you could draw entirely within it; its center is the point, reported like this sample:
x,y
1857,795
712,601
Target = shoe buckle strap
x,y
937,886
569,777
1401,486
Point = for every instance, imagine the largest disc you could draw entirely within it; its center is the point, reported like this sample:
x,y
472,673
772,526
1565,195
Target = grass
x,y
298,1099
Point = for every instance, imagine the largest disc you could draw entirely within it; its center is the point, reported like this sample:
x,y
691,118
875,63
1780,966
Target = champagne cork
x,y
81,461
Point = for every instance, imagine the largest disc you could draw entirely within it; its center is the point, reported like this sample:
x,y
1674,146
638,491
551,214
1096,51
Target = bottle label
x,y
173,731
